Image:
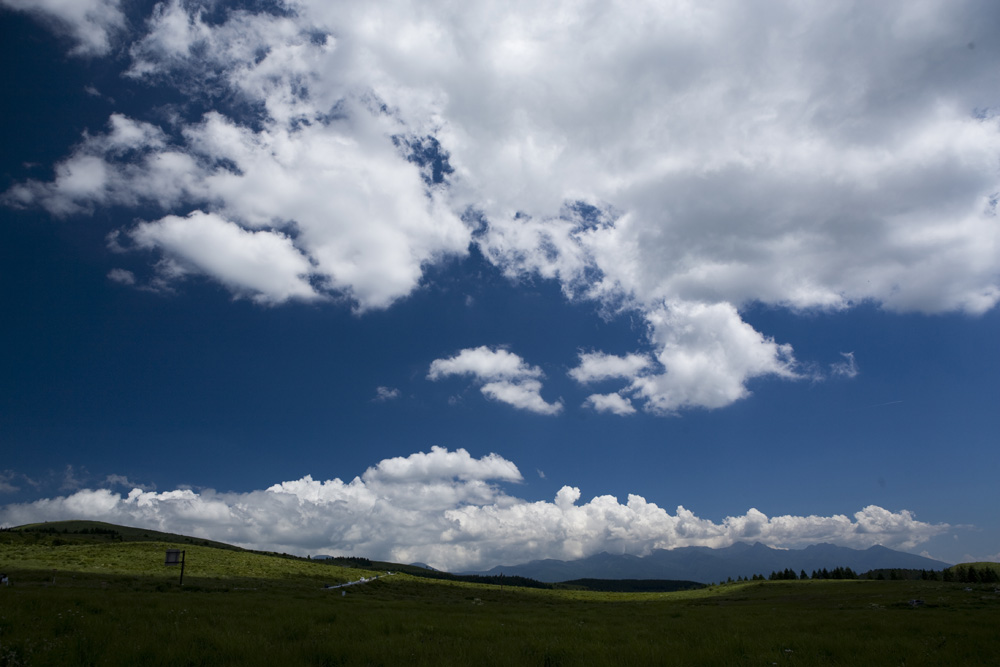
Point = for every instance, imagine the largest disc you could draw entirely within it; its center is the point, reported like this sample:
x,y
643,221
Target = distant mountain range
x,y
706,565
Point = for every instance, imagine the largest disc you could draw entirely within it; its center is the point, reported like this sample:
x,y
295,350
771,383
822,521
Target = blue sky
x,y
473,286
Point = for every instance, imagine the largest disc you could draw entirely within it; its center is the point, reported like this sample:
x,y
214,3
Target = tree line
x,y
788,574
966,574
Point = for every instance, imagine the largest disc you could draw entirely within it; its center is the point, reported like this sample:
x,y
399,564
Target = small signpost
x,y
176,557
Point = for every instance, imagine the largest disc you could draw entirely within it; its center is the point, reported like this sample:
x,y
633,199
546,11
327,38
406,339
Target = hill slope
x,y
110,550
99,531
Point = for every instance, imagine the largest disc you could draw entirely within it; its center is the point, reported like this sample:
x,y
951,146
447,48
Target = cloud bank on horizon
x,y
677,160
446,509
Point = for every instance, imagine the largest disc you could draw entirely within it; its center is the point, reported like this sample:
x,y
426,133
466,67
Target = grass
x,y
116,604
145,559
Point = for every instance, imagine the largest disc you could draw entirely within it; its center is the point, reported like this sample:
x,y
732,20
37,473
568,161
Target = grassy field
x,y
116,604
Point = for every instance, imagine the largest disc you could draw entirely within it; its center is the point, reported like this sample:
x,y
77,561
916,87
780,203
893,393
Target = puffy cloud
x,y
752,169
523,394
129,164
484,363
445,508
708,353
613,403
505,377
347,211
263,263
440,463
678,161
90,23
597,366
705,354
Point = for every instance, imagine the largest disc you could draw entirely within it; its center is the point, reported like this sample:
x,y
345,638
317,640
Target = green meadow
x,y
90,600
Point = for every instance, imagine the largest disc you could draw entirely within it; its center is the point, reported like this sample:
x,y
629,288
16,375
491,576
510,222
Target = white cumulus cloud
x,y
263,263
705,353
597,366
446,508
503,376
484,363
613,403
675,160
708,353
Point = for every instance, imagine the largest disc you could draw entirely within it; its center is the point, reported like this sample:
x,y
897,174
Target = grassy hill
x,y
98,531
113,602
978,565
68,548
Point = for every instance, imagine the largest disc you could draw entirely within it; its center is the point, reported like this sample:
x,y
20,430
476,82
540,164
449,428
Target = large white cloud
x,y
445,508
707,353
679,159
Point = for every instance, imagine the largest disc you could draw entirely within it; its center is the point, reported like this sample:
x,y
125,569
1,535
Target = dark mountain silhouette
x,y
707,565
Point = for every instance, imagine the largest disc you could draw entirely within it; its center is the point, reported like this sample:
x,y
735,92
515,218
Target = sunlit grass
x,y
146,559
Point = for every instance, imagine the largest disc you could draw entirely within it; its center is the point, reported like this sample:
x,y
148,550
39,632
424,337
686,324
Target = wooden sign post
x,y
176,557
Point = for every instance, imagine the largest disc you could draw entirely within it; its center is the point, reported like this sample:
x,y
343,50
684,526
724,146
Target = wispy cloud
x,y
848,368
92,24
121,276
121,481
7,482
383,394
74,478
992,558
